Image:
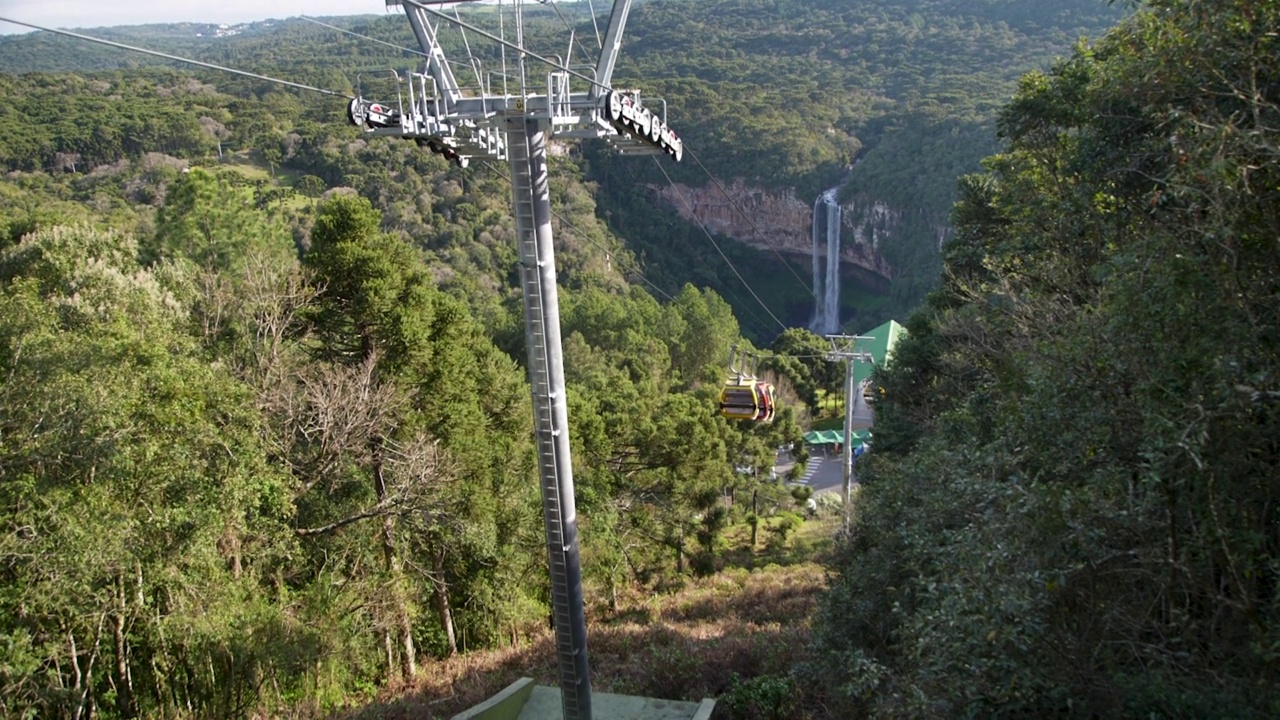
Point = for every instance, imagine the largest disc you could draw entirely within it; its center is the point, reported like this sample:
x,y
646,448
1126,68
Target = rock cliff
x,y
778,220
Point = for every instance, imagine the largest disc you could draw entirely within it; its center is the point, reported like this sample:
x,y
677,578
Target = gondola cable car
x,y
744,396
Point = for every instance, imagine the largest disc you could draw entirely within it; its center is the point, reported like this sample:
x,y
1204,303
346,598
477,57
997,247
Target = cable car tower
x,y
511,114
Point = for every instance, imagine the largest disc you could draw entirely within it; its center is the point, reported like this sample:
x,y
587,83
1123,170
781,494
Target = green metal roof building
x,y
880,347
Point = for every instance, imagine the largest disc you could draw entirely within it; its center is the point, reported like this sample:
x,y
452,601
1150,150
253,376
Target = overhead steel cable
x,y
595,25
178,58
505,43
475,61
459,22
384,42
572,34
364,37
744,214
717,246
759,324
323,91
634,270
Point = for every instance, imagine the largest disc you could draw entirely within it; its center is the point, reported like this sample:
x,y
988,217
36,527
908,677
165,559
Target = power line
x,y
717,246
177,58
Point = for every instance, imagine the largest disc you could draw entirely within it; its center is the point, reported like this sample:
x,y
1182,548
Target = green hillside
x,y
789,93
265,432
1071,507
776,93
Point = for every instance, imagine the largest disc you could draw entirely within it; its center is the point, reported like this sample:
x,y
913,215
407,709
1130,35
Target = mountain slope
x,y
779,96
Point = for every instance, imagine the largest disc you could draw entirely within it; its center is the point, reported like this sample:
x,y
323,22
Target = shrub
x,y
768,697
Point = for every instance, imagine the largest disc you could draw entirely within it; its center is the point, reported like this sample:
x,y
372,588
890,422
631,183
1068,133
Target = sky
x,y
104,13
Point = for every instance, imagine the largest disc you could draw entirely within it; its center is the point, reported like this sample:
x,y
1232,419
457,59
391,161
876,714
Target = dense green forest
x,y
264,444
265,439
777,94
233,480
1072,508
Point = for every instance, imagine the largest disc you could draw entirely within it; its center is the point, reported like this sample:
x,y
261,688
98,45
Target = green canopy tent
x,y
833,437
822,437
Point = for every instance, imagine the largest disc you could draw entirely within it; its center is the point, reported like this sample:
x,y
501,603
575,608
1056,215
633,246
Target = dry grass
x,y
683,645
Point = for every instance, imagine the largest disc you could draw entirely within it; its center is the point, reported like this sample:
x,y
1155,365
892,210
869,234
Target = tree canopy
x,y
1071,508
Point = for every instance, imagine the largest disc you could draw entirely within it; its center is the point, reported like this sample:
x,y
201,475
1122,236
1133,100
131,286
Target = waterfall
x,y
826,286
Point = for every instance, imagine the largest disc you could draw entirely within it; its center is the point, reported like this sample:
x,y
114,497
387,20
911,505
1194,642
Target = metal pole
x,y
849,391
527,153
609,49
844,347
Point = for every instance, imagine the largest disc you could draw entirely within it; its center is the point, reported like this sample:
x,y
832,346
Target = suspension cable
x,y
388,44
572,35
456,20
364,37
594,24
717,246
633,270
177,58
506,43
459,22
744,214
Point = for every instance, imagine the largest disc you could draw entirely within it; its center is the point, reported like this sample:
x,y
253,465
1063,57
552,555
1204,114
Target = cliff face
x,y
778,220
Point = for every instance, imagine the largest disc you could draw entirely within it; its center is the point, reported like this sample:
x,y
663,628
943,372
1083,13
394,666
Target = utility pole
x,y
516,124
844,347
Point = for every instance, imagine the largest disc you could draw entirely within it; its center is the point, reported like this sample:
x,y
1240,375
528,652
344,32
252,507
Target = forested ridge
x,y
789,94
1072,506
234,481
265,443
265,446
778,94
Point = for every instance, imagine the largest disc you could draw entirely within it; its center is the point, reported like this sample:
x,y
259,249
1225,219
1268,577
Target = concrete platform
x,y
544,704
522,700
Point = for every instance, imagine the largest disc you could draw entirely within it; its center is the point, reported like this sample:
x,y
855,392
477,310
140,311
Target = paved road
x,y
825,474
861,412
